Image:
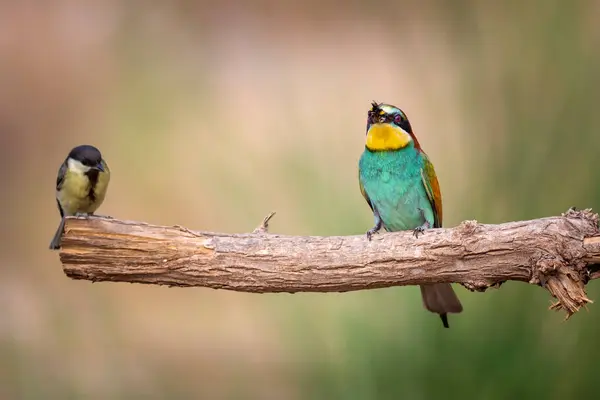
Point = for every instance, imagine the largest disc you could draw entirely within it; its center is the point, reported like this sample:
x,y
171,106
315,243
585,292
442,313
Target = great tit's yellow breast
x,y
386,136
77,195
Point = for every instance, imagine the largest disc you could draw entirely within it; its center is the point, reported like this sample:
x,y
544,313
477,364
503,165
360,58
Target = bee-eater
x,y
400,185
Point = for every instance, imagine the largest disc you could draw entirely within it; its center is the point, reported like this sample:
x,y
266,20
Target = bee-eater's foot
x,y
419,230
376,228
378,225
371,232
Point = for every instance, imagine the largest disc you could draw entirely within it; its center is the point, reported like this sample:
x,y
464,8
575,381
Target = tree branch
x,y
559,253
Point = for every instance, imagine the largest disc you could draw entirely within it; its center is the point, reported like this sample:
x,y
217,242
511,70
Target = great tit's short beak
x,y
100,167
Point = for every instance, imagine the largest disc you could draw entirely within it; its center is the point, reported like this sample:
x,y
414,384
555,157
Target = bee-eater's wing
x,y
364,192
432,187
440,297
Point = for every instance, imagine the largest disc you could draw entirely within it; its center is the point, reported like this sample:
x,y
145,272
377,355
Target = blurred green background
x,y
212,114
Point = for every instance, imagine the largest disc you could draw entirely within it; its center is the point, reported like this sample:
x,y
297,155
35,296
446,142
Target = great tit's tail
x,y
440,298
55,243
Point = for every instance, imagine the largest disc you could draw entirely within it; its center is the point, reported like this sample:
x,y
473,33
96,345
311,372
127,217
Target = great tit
x,y
80,186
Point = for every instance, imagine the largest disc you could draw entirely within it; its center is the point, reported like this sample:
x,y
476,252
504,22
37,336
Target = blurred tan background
x,y
212,114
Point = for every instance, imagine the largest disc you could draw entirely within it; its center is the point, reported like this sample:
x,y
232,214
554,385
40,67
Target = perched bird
x,y
399,183
80,186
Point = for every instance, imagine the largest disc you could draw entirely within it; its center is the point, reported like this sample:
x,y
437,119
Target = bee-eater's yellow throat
x,y
385,136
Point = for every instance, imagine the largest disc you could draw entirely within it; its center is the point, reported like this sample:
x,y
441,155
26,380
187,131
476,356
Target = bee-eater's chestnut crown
x,y
388,128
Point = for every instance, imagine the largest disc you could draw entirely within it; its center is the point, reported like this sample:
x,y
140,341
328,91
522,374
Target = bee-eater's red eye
x,y
398,119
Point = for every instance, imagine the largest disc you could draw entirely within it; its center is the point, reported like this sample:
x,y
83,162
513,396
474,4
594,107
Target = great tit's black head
x,y
88,156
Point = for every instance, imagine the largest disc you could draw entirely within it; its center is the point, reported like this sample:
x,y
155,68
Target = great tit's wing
x,y
60,178
432,187
62,171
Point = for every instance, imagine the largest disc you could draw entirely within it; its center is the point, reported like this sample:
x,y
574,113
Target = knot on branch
x,y
563,281
468,227
586,215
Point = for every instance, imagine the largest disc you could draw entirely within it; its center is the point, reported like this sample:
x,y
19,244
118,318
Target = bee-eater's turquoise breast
x,y
393,182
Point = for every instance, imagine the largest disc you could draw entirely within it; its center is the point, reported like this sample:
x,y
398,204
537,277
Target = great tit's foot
x,y
82,215
99,216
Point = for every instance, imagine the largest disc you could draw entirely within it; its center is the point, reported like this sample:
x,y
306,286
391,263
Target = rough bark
x,y
559,253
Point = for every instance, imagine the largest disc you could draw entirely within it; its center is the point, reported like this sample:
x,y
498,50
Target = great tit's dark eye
x,y
398,119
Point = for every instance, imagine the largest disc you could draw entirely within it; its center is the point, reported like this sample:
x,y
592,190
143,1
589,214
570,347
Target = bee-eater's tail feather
x,y
440,298
444,318
55,243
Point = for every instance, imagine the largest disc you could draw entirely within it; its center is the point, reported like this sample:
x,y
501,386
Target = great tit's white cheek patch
x,y
77,166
